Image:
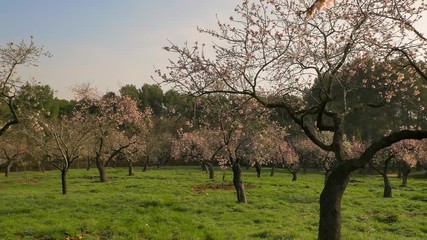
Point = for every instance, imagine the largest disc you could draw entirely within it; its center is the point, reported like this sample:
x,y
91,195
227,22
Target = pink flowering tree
x,y
311,156
12,57
110,118
267,141
236,119
159,148
60,141
289,158
258,149
14,146
422,155
242,128
139,133
381,163
405,154
200,145
270,49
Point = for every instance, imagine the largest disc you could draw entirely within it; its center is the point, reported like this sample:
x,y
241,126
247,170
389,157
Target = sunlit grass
x,y
167,204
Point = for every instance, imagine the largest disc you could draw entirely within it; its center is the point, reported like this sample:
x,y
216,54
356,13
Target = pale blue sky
x,y
108,43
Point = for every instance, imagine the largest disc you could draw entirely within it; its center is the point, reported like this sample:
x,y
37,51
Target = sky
x,y
107,43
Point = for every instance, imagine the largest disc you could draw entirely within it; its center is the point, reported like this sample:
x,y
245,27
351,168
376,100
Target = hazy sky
x,y
108,43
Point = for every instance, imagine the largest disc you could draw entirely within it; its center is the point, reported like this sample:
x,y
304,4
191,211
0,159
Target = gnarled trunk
x,y
41,166
387,187
238,183
130,169
330,203
7,170
204,167
88,163
405,174
101,170
210,168
64,181
294,176
258,169
273,170
293,172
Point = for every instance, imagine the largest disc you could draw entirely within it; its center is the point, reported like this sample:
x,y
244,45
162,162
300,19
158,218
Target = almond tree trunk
x,y
204,167
387,187
294,176
405,174
238,183
7,170
273,170
293,172
130,168
89,163
330,203
41,167
101,170
64,181
210,168
258,169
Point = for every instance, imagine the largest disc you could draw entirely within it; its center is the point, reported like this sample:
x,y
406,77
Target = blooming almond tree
x,y
383,159
158,149
62,141
256,151
405,153
231,121
11,57
139,133
14,146
422,155
312,156
109,118
264,140
272,53
288,157
238,123
200,145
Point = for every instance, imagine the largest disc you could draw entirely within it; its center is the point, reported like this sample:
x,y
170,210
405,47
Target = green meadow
x,y
182,203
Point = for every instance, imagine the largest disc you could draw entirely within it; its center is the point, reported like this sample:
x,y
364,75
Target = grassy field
x,y
181,203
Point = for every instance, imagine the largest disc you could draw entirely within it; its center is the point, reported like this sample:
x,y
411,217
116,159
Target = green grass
x,y
167,204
